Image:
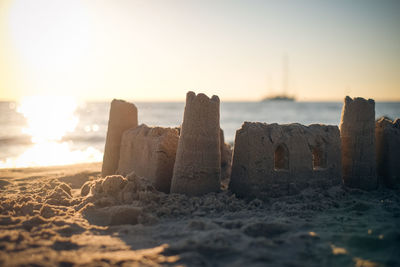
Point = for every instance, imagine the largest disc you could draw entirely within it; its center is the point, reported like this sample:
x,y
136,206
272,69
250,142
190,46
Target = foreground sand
x,y
45,221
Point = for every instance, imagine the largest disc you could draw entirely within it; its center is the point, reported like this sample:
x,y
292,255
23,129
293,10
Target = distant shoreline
x,y
222,101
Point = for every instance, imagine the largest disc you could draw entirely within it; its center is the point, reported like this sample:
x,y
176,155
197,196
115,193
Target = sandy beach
x,y
47,220
200,133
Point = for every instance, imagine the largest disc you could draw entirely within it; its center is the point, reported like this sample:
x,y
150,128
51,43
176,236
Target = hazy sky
x,y
158,50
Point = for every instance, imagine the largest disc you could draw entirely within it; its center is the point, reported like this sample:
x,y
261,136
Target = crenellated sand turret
x,y
357,133
197,169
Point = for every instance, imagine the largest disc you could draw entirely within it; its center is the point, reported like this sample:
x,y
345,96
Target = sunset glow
x,y
48,119
158,50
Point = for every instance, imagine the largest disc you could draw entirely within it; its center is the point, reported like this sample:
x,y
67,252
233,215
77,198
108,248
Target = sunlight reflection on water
x,y
48,119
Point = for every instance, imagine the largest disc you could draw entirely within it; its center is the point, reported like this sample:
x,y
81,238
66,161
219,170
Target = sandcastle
x,y
275,160
123,116
149,152
269,160
154,153
357,131
197,167
387,134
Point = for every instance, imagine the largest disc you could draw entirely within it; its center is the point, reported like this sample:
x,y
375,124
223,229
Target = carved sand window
x,y
318,158
281,158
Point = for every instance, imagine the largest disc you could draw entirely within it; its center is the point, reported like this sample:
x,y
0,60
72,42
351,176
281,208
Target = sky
x,y
157,50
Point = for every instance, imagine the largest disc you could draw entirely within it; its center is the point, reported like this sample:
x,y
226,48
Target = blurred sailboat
x,y
284,96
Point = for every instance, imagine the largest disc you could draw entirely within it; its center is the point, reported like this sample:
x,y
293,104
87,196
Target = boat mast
x,y
285,75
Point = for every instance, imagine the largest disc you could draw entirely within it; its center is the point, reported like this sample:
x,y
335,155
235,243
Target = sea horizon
x,y
75,132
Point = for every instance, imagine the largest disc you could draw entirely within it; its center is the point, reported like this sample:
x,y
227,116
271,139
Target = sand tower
x,y
123,116
357,133
387,134
197,168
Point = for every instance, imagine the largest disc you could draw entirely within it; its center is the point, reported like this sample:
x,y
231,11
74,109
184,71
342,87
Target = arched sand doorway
x,y
281,158
318,158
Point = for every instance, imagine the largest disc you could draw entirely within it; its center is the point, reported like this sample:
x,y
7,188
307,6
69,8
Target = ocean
x,y
66,132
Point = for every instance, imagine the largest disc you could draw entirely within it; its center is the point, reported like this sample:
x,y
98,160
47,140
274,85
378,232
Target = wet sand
x,y
47,219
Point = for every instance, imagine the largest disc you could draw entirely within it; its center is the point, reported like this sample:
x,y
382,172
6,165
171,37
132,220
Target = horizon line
x,y
221,100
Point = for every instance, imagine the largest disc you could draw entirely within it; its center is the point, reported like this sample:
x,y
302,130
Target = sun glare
x,y
49,119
